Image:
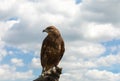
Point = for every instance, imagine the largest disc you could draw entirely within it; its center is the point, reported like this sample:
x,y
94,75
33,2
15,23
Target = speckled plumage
x,y
52,48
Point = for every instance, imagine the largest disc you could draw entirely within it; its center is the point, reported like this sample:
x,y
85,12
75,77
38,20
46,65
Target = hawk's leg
x,y
44,71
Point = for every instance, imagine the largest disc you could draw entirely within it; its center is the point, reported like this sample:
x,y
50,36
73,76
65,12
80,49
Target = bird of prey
x,y
52,48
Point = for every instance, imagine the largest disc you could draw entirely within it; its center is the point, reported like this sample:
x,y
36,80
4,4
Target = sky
x,y
90,29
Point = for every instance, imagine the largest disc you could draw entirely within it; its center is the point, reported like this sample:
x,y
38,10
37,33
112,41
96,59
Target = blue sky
x,y
90,29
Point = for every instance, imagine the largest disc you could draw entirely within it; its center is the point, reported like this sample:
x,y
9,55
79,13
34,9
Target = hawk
x,y
52,48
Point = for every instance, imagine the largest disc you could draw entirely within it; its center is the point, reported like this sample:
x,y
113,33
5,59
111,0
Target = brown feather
x,y
52,49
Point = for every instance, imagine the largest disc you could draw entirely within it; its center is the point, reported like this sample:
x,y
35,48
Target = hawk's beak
x,y
44,30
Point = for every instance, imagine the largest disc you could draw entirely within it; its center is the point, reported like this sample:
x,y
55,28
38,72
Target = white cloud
x,y
108,60
84,49
74,62
77,65
91,50
4,27
9,73
35,63
71,63
17,62
102,75
89,75
72,76
101,11
100,32
3,53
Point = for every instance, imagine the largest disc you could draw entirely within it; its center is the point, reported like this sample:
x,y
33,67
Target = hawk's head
x,y
52,30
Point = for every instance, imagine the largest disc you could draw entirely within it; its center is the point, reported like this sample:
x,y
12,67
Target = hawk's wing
x,y
51,52
43,51
62,49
